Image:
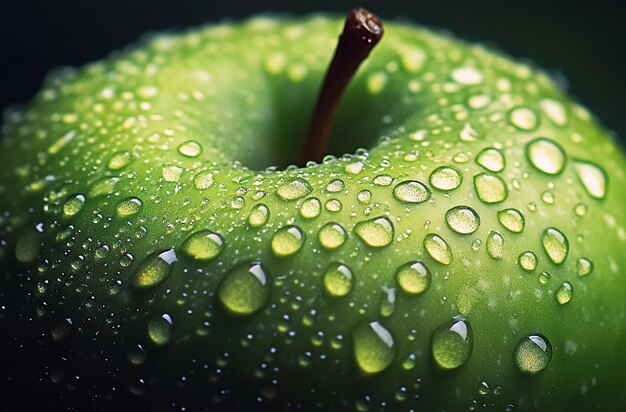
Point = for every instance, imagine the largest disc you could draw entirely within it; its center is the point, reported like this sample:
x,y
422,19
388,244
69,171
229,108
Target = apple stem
x,y
362,31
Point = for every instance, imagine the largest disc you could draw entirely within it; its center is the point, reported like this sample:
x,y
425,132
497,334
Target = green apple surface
x,y
468,254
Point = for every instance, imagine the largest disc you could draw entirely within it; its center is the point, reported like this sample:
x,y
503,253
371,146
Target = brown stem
x,y
361,32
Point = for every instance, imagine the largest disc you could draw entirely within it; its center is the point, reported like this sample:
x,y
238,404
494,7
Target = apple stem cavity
x,y
362,31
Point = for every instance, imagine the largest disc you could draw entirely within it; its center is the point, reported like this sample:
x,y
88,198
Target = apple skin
x,y
120,162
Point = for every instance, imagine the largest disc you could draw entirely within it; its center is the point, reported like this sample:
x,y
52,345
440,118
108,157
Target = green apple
x,y
467,252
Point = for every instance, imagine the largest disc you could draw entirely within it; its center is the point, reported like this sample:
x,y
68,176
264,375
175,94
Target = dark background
x,y
583,44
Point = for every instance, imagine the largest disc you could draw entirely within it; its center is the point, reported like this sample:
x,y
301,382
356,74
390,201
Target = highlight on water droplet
x,y
491,159
584,267
446,178
462,219
332,235
593,178
533,354
546,156
495,245
374,347
259,214
154,269
128,207
438,249
338,279
490,188
203,245
160,329
411,191
295,189
245,289
376,232
556,245
311,208
413,277
452,343
73,205
527,261
564,293
190,148
512,220
287,240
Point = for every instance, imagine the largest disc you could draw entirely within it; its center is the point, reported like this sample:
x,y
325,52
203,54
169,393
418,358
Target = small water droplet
x,y
523,118
335,185
295,189
203,245
463,219
438,249
581,210
564,293
512,219
411,191
73,205
413,277
203,180
555,111
556,245
245,289
160,329
310,208
374,347
376,232
490,188
190,148
593,179
467,75
287,240
382,180
547,198
546,156
491,159
544,278
128,207
452,343
364,196
495,245
259,215
120,160
154,270
332,235
446,178
584,267
338,279
533,354
527,261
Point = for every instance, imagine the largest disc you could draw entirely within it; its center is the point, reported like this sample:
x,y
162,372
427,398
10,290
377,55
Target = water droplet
x,y
382,180
120,160
438,249
388,302
128,207
160,329
463,219
593,179
338,279
73,205
333,205
376,232
332,235
335,185
203,180
446,178
171,173
374,347
287,240
512,219
490,188
495,245
203,245
190,148
310,208
546,156
364,196
154,270
556,245
259,215
413,277
245,289
555,111
584,267
524,118
491,159
581,210
544,278
547,198
452,343
564,293
527,261
533,354
104,186
467,75
411,191
295,189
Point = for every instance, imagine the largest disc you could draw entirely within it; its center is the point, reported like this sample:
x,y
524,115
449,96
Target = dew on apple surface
x,y
524,118
203,180
527,261
335,185
462,219
203,245
564,293
295,189
546,156
333,205
160,329
364,196
382,180
490,188
593,178
491,159
544,278
338,279
154,269
581,209
171,173
512,220
533,354
128,207
374,347
287,240
259,215
584,267
376,232
120,160
452,343
245,289
190,148
311,208
73,205
555,244
446,178
332,235
438,248
547,197
413,277
411,191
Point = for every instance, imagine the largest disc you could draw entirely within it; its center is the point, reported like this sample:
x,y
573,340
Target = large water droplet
x,y
556,245
512,219
73,205
491,159
376,232
438,249
463,219
203,245
259,215
452,343
546,156
295,189
564,293
332,235
245,289
287,240
533,354
338,279
593,179
411,191
495,245
160,329
490,188
413,277
154,270
128,207
446,178
374,347
311,208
